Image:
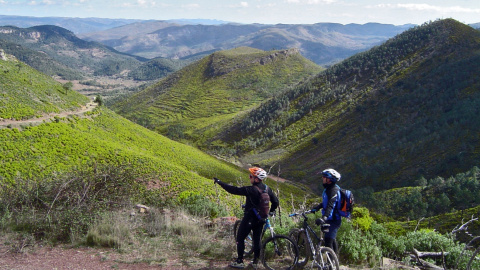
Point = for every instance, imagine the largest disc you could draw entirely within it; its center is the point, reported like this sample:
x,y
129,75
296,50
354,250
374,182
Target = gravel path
x,y
37,121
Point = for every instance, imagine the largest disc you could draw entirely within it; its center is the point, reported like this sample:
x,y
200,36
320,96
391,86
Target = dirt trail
x,y
37,121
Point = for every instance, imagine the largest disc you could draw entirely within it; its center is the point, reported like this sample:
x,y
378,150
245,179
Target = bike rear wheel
x,y
300,238
326,259
279,252
248,241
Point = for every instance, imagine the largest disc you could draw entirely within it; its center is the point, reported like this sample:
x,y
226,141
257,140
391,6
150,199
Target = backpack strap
x,y
266,189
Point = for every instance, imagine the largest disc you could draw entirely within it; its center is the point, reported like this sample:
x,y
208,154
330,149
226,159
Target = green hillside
x,y
195,102
26,93
106,138
384,118
100,137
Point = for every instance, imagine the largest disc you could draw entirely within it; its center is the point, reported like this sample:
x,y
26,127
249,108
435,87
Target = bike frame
x,y
308,230
268,226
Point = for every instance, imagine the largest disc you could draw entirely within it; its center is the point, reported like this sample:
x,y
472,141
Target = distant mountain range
x,y
323,43
86,25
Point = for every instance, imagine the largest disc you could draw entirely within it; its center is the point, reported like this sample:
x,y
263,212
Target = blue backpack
x,y
345,206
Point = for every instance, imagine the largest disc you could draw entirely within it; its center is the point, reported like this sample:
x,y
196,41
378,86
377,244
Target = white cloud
x,y
191,6
244,4
427,7
310,2
140,3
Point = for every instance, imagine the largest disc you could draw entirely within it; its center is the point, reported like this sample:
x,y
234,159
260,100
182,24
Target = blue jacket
x,y
331,200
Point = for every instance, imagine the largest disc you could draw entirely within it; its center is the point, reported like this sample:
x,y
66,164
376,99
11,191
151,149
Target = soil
x,y
84,258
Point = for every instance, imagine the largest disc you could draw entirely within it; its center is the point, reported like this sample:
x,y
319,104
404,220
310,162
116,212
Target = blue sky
x,y
255,11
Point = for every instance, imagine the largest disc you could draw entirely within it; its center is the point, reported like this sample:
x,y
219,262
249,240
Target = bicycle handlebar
x,y
303,213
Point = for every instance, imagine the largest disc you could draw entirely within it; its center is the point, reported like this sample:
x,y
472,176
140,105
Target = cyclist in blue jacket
x,y
330,215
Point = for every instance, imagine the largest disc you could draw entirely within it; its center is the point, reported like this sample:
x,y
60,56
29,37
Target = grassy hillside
x,y
40,61
106,138
70,171
26,93
383,118
195,102
102,137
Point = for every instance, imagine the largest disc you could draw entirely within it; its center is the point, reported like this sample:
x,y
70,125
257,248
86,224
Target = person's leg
x,y
330,236
243,231
257,239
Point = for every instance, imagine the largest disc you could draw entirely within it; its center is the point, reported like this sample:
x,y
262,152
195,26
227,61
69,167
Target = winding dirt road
x,y
37,121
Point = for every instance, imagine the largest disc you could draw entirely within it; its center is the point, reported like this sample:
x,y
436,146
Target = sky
x,y
397,12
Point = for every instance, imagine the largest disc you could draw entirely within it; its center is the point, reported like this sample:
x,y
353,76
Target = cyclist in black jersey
x,y
250,222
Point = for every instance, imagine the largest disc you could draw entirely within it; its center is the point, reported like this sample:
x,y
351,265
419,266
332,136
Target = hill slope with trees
x,y
66,48
384,118
198,100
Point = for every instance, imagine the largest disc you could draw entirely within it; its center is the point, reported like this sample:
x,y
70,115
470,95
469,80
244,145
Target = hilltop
x,y
198,100
405,109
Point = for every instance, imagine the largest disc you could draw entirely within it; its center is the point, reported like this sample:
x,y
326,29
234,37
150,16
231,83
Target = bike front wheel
x,y
300,239
279,252
326,259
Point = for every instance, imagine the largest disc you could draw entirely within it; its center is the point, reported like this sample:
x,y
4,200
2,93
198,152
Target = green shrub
x,y
357,247
199,205
361,218
63,208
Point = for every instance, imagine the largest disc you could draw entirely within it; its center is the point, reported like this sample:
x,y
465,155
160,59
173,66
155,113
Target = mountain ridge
x,y
355,99
317,42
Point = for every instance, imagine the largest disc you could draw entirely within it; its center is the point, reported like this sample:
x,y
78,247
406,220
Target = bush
x,y
199,205
357,247
63,208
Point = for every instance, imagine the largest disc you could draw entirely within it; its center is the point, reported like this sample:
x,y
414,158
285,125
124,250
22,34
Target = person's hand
x,y
319,221
215,180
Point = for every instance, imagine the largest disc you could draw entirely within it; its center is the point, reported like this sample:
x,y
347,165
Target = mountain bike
x,y
313,248
277,251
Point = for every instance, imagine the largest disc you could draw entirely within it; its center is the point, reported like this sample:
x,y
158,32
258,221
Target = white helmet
x,y
332,175
258,172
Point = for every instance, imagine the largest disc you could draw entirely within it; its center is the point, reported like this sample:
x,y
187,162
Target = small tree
x,y
98,99
67,86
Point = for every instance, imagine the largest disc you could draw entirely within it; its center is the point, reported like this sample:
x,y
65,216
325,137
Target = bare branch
x,y
464,226
418,223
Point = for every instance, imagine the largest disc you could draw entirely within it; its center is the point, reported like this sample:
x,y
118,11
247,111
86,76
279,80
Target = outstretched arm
x,y
231,189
